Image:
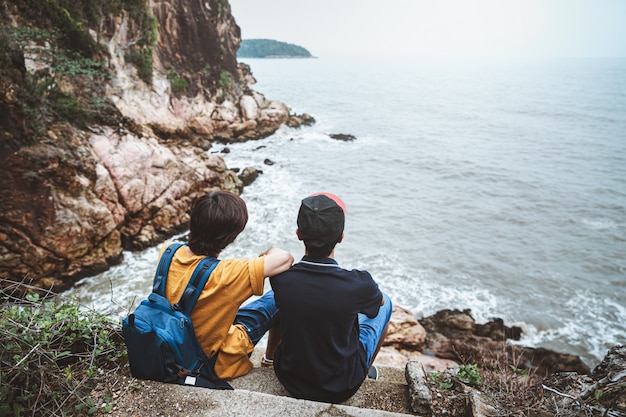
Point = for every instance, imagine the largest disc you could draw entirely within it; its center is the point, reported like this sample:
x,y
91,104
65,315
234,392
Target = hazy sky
x,y
439,27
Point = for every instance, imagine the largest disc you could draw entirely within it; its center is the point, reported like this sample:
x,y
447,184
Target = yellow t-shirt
x,y
231,283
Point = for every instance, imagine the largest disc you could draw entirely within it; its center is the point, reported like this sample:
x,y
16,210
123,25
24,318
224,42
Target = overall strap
x,y
160,276
196,283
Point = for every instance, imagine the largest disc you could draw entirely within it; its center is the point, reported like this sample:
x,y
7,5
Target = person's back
x,y
326,348
226,331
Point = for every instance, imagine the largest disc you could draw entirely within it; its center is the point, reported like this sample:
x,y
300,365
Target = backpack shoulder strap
x,y
196,283
160,276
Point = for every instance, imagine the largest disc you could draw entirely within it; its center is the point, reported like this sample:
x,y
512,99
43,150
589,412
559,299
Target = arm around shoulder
x,y
276,261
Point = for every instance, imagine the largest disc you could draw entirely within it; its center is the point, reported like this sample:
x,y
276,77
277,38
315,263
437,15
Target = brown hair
x,y
216,220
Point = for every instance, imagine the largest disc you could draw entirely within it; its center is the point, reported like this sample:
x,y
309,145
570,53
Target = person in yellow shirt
x,y
224,328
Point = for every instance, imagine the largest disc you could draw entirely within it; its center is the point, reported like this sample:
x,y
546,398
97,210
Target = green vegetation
x,y
39,94
443,381
267,48
140,54
519,371
60,60
65,17
73,64
597,395
223,7
65,24
226,80
52,354
71,16
55,34
470,375
178,84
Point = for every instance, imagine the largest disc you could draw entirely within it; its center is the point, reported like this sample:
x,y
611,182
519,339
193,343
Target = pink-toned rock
x,y
156,183
433,363
408,337
249,107
390,356
404,330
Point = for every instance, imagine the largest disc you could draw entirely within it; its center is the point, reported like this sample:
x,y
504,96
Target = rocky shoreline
x,y
450,338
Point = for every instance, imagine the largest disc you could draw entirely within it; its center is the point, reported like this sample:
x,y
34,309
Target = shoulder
x,y
243,265
360,274
242,269
364,280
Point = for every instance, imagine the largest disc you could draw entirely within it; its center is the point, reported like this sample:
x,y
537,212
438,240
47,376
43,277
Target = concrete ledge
x,y
384,394
200,402
260,394
389,393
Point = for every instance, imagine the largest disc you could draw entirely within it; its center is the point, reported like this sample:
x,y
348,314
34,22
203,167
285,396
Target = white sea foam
x,y
588,325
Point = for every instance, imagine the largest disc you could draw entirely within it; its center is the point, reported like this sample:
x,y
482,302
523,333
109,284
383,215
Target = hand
x,y
276,261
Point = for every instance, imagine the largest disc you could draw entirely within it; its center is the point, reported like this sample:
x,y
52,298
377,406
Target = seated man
x,y
332,320
221,326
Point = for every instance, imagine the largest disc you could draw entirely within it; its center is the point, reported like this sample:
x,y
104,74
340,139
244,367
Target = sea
x,y
493,185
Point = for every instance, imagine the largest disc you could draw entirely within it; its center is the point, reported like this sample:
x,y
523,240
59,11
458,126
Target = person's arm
x,y
276,261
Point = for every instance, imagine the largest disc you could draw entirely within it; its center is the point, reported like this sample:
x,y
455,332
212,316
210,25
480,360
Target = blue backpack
x,y
161,342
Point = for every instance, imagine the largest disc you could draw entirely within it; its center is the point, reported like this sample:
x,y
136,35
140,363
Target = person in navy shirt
x,y
332,320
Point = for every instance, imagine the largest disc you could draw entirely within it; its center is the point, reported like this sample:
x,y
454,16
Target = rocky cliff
x,y
107,110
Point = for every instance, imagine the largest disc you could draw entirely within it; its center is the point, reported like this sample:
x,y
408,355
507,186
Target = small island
x,y
268,48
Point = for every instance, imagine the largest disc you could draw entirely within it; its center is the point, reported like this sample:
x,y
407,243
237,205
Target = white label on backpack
x,y
190,380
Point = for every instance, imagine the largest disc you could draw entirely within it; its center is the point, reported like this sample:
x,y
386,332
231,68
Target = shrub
x,y
226,80
140,54
51,351
178,84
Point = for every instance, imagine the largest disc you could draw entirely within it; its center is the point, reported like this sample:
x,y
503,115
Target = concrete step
x,y
387,394
260,394
159,399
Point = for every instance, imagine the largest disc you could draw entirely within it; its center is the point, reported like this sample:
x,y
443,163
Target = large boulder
x,y
52,222
70,207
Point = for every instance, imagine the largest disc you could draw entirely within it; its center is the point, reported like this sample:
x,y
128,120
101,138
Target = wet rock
x,y
296,121
454,324
496,330
610,377
614,363
342,136
248,175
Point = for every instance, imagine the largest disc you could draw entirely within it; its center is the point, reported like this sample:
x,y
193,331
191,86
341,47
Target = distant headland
x,y
268,48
